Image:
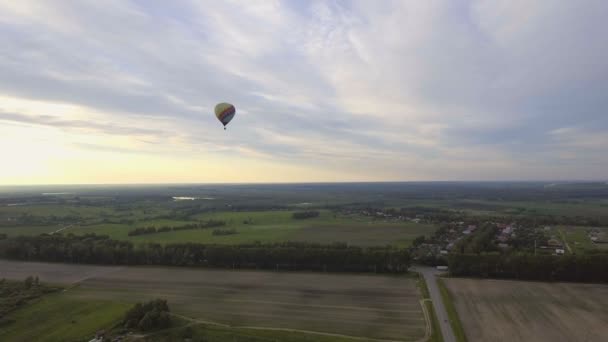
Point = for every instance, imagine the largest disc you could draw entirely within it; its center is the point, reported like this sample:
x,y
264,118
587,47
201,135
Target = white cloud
x,y
393,89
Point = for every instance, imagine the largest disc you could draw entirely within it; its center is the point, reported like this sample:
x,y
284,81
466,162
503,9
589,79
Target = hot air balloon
x,y
224,112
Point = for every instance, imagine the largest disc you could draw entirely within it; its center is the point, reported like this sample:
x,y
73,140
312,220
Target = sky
x,y
123,91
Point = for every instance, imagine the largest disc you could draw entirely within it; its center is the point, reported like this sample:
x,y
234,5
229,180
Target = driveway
x,y
429,274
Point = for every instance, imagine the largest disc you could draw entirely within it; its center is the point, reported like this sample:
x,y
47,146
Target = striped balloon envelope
x,y
224,112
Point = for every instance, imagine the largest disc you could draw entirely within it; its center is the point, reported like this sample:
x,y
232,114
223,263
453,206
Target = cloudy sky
x,y
123,91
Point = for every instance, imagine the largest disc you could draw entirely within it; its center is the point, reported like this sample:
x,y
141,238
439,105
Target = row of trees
x,y
95,249
164,229
577,268
300,215
220,232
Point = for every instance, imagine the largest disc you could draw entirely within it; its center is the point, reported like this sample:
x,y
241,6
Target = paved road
x,y
429,274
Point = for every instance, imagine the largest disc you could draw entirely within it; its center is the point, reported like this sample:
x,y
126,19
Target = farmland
x,y
377,307
264,226
264,212
500,310
62,317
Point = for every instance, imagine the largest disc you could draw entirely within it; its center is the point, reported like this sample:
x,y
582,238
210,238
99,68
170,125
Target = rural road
x,y
429,274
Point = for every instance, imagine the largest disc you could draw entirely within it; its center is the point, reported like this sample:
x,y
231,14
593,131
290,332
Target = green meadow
x,y
61,317
251,226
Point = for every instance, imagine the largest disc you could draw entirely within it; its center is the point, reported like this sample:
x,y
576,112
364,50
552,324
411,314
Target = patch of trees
x,y
95,249
301,215
481,241
153,315
571,267
164,229
15,294
219,232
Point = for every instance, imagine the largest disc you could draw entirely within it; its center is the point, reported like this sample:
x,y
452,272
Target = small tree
x,y
419,240
146,323
27,283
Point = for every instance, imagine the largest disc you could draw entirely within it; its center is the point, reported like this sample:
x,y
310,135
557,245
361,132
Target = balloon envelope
x,y
224,112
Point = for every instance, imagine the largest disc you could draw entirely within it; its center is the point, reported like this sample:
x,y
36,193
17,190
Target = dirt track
x,y
501,310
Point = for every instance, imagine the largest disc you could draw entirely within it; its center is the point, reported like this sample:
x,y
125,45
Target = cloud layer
x,y
331,90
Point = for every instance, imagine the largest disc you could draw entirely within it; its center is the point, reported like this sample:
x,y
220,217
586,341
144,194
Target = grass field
x,y
264,226
377,307
61,317
212,333
500,310
578,238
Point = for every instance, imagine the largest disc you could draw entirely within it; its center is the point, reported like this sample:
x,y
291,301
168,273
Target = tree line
x,y
300,215
165,229
98,249
571,267
220,232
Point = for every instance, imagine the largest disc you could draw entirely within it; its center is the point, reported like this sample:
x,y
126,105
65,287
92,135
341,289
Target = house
x,y
554,243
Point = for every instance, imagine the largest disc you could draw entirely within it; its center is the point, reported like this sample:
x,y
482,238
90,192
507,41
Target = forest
x,y
99,249
590,267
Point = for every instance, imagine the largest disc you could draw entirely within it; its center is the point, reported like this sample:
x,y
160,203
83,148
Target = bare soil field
x,y
52,273
502,310
377,307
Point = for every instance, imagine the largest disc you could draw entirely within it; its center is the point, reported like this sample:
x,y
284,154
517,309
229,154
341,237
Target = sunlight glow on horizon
x,y
324,91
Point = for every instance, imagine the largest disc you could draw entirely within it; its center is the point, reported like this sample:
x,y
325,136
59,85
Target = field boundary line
x,y
111,269
428,330
561,232
201,321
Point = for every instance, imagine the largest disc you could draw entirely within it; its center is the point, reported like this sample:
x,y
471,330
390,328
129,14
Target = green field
x,y
263,226
211,332
62,317
587,208
578,239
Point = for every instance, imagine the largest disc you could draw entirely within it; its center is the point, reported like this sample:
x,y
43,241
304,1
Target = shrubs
x,y
14,294
165,229
224,231
152,315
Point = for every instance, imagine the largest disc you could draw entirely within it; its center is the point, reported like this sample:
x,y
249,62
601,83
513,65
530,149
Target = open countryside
x,y
370,306
503,310
278,262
